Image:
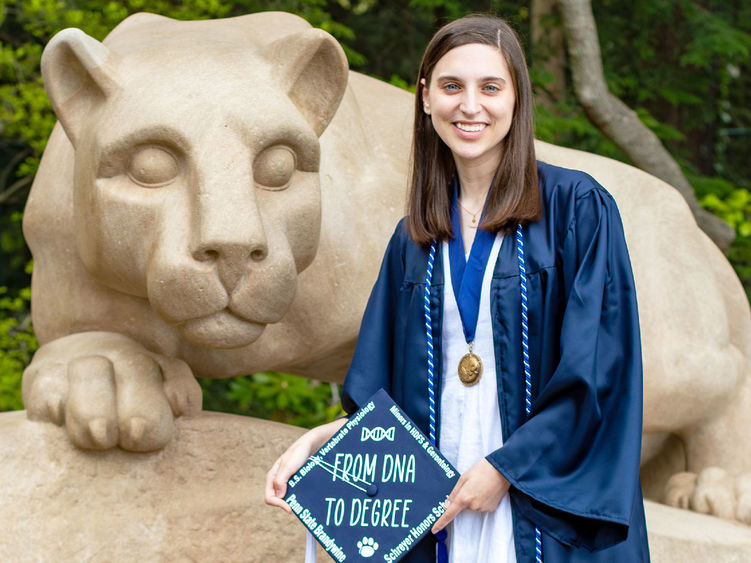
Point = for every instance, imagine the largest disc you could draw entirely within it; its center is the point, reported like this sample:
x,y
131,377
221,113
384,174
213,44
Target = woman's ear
x,y
425,99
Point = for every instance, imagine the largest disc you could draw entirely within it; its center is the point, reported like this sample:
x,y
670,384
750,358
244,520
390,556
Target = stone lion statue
x,y
215,201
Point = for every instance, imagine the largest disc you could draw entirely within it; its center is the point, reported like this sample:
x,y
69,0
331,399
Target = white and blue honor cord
x,y
441,549
525,357
429,333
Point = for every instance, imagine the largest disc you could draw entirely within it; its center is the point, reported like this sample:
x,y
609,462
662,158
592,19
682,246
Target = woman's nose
x,y
470,103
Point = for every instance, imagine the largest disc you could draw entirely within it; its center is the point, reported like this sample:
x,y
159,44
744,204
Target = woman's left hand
x,y
480,488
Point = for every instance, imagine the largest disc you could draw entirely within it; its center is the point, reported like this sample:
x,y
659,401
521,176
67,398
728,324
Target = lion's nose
x,y
231,259
231,245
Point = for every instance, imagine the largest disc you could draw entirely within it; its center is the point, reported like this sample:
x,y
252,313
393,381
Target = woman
x,y
536,362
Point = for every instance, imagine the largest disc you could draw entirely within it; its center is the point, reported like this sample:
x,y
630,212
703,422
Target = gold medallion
x,y
470,368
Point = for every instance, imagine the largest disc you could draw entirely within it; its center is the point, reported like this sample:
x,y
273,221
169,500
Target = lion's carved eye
x,y
273,167
152,167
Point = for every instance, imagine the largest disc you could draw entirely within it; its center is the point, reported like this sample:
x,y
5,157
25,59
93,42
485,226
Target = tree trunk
x,y
620,123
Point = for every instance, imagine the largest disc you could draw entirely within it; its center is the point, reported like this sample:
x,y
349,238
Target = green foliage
x,y
735,209
17,345
14,248
399,82
712,35
566,124
274,396
732,204
684,65
740,257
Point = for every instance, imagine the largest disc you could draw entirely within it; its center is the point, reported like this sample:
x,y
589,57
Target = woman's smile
x,y
470,127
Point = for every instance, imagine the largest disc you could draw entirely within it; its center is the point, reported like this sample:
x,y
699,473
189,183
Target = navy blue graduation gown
x,y
573,464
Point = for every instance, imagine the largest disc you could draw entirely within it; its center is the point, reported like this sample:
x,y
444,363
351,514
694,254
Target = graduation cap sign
x,y
375,488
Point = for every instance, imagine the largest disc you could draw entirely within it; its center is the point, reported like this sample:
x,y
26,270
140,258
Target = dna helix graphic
x,y
377,434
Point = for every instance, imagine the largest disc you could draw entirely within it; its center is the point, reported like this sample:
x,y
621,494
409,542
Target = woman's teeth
x,y
470,128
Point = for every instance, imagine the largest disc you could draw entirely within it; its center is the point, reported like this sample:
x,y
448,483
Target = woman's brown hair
x,y
514,195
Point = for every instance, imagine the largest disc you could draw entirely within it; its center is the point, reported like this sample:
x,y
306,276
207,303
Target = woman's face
x,y
470,99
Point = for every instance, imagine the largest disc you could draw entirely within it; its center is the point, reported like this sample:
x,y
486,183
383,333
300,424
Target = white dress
x,y
471,424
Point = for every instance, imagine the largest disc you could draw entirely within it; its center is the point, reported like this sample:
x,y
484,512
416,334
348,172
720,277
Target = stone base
x,y
681,536
201,499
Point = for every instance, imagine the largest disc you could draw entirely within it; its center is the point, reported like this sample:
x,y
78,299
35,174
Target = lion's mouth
x,y
223,330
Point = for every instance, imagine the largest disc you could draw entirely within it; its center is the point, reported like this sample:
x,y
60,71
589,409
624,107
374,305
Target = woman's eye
x,y
492,88
273,167
451,87
152,167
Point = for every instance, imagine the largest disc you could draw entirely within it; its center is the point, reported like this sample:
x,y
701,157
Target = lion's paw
x,y
108,390
712,491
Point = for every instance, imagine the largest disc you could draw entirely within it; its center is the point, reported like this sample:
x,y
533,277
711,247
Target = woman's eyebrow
x,y
448,77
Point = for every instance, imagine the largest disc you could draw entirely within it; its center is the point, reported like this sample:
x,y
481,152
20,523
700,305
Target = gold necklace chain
x,y
474,215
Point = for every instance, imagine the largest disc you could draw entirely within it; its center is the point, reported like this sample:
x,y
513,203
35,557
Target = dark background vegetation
x,y
682,65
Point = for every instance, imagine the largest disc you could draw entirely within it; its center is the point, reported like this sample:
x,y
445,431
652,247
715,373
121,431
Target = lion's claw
x,y
180,387
137,428
45,392
55,410
679,489
98,433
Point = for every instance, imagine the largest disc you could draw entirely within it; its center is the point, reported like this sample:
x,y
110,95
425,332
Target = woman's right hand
x,y
293,459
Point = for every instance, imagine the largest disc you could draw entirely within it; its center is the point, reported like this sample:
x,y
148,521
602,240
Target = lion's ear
x,y
312,69
79,74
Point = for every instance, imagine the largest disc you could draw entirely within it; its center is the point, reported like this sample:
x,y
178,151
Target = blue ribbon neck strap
x,y
467,274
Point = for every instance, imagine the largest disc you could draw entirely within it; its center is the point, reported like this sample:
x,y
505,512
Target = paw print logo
x,y
367,547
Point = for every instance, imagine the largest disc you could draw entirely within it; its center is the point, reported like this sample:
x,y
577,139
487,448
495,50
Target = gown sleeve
x,y
573,464
373,358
